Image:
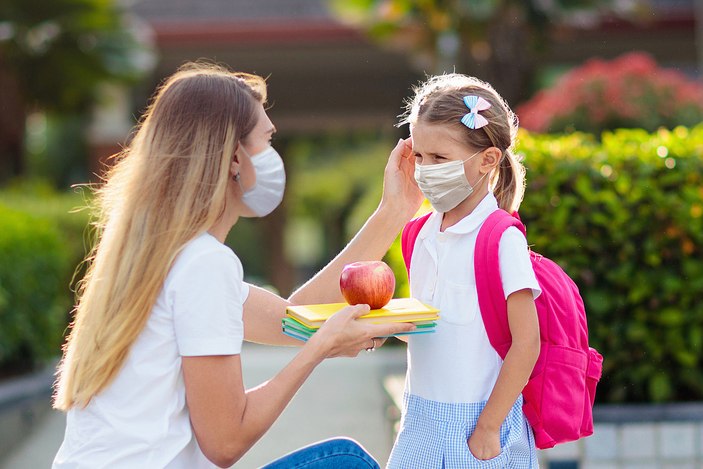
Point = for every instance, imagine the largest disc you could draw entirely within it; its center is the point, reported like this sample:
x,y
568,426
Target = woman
x,y
151,374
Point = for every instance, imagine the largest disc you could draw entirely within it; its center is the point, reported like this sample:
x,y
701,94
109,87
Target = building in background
x,y
325,75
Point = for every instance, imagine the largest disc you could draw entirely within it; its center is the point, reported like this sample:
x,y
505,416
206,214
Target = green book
x,y
300,331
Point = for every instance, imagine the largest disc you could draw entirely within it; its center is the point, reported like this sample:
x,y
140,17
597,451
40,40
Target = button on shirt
x,y
457,363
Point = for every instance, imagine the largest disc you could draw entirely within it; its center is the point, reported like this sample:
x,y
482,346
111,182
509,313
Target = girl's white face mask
x,y
270,185
445,184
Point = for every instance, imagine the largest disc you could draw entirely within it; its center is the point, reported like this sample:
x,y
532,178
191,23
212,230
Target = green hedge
x,y
31,273
624,217
41,242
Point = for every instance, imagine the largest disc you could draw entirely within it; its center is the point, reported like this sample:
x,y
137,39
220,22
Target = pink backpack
x,y
558,398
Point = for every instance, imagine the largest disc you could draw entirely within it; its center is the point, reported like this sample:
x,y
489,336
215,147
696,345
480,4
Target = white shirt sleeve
x,y
208,299
515,265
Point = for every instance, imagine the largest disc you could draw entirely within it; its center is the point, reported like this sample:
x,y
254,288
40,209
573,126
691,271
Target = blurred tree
x,y
52,56
492,39
338,182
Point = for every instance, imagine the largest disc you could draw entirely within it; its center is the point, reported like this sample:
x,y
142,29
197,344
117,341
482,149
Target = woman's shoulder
x,y
204,244
205,252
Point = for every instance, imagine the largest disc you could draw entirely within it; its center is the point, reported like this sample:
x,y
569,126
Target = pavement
x,y
343,396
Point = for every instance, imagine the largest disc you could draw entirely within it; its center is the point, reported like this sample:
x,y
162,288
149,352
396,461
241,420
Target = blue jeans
x,y
329,454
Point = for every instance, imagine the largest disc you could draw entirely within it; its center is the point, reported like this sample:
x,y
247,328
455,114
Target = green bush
x,y
66,210
32,306
624,217
41,243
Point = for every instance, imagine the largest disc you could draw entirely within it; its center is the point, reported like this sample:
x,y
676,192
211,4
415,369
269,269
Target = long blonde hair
x,y
440,100
168,186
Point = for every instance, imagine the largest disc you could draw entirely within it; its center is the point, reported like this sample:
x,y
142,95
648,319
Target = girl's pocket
x,y
499,461
459,303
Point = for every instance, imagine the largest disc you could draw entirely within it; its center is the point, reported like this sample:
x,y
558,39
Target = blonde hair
x,y
440,100
168,186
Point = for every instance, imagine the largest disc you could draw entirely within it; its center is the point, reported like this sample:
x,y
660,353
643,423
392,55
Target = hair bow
x,y
473,119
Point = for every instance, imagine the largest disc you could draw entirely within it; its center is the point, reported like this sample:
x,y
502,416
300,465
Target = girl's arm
x,y
514,374
228,420
401,199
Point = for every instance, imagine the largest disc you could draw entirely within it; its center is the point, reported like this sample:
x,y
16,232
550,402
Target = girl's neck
x,y
464,208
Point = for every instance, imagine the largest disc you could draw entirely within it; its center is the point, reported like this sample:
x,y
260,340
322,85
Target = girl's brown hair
x,y
440,100
167,187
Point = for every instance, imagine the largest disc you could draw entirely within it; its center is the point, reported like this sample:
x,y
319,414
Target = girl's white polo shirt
x,y
457,363
141,419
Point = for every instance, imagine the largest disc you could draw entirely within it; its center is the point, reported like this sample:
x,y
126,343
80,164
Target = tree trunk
x,y
504,60
279,269
12,124
699,35
510,66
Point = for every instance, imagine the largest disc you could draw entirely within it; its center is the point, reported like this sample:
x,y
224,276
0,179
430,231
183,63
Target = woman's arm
x,y
263,311
514,374
401,198
228,420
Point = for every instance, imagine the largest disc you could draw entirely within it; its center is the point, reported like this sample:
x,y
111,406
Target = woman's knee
x,y
333,453
349,453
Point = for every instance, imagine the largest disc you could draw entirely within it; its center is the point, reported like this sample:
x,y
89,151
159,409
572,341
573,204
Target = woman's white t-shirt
x,y
457,363
141,419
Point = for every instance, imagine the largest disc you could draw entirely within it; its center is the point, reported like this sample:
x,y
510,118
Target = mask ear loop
x,y
479,180
472,156
474,185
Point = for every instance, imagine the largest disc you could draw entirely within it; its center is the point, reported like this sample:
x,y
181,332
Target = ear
x,y
490,159
235,157
234,165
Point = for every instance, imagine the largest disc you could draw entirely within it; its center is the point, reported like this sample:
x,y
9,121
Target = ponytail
x,y
510,182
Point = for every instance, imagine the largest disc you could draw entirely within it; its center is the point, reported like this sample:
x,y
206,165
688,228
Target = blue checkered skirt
x,y
435,434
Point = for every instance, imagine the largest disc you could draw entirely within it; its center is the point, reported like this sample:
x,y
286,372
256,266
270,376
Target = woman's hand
x,y
400,192
343,336
484,444
228,420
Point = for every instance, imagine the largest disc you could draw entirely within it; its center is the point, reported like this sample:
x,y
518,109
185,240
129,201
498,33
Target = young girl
x,y
463,404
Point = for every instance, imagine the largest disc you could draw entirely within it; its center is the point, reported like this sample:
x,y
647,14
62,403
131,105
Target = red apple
x,y
367,282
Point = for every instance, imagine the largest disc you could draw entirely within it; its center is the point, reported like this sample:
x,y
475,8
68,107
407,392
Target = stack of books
x,y
302,321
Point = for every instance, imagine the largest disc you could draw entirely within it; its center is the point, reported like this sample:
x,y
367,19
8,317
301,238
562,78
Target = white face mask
x,y
267,193
444,185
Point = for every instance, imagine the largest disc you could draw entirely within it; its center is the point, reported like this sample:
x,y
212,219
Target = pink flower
x,y
630,90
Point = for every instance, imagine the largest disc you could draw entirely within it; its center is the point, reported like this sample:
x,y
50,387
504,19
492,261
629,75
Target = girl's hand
x,y
484,444
400,192
343,336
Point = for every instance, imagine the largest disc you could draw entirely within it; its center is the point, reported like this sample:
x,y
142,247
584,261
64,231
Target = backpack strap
x,y
491,298
408,237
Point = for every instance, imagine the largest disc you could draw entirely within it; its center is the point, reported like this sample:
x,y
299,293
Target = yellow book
x,y
397,310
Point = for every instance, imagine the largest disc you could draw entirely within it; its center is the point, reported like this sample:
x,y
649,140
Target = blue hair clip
x,y
473,119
